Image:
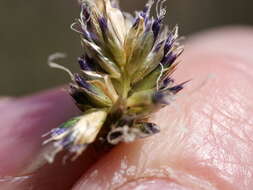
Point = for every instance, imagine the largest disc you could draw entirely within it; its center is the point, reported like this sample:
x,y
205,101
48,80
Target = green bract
x,y
125,74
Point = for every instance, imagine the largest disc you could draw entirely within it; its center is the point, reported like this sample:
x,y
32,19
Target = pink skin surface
x,y
206,141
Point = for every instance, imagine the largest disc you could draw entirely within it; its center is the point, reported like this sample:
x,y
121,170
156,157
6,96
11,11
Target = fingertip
x,y
225,41
5,100
198,142
24,121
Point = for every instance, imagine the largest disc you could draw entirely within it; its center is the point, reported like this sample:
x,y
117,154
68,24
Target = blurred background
x,y
31,30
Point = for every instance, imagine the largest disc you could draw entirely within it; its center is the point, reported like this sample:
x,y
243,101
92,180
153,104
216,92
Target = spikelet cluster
x,y
125,75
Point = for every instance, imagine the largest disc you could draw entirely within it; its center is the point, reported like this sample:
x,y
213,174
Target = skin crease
x,y
205,143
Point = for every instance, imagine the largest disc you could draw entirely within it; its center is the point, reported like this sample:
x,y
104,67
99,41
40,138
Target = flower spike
x,y
125,75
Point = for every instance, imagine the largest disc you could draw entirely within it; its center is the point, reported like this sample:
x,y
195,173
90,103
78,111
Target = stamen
x,y
52,64
160,10
72,27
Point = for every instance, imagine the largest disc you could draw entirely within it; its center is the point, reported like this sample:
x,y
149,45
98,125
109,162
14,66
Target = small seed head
x,y
125,75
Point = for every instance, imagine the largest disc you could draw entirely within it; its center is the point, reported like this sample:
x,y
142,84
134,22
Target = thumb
x,y
205,140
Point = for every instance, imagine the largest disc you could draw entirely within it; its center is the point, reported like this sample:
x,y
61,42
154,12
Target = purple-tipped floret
x,y
81,82
158,46
103,24
168,44
169,59
84,64
156,27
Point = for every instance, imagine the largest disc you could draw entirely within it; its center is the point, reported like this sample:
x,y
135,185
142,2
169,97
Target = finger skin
x,y
23,122
206,139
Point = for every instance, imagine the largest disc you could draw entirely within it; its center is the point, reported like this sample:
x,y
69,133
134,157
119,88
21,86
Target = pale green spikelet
x,y
125,74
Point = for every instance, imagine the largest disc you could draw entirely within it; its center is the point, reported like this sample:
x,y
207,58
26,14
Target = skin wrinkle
x,y
176,133
210,151
172,175
200,163
237,105
218,159
243,68
226,129
204,162
241,105
247,132
144,184
239,132
224,159
237,164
